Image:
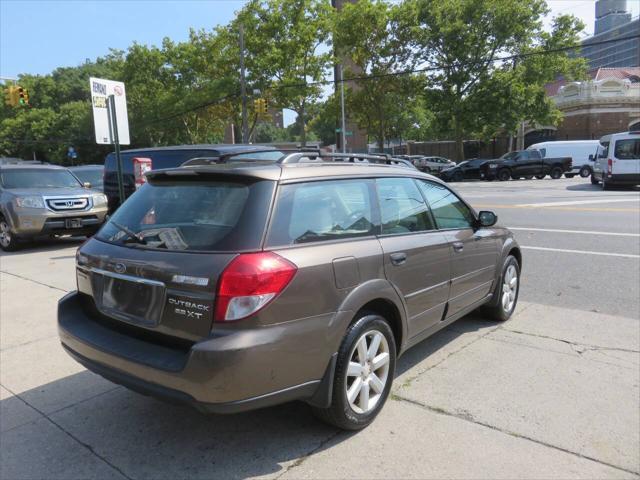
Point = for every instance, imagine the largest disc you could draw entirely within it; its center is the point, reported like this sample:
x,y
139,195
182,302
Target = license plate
x,y
73,223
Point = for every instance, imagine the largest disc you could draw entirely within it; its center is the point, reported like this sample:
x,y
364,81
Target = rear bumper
x,y
235,371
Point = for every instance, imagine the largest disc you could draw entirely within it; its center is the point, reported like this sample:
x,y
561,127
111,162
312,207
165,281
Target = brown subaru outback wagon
x,y
244,284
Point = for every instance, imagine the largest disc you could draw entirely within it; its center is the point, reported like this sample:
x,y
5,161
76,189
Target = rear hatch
x,y
154,265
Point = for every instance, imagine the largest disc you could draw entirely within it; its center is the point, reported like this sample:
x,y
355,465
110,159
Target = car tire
x,y
594,180
556,173
504,175
8,241
569,175
351,412
506,291
604,184
585,172
528,177
540,177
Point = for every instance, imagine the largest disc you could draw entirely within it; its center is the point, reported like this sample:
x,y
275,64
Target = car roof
x,y
221,147
31,167
293,171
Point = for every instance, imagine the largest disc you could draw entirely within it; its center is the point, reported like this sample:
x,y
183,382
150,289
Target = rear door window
x,y
449,211
217,215
321,211
628,149
402,208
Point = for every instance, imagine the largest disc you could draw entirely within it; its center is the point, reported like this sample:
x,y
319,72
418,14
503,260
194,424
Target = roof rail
x,y
306,155
359,158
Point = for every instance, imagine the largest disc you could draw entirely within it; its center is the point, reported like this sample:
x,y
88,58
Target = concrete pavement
x,y
553,393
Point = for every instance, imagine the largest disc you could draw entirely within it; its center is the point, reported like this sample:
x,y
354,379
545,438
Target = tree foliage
x,y
189,92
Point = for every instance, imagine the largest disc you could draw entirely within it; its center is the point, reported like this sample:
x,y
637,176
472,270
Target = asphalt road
x,y
552,393
581,244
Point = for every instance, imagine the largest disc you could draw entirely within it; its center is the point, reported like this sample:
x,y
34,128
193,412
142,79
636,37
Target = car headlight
x,y
99,200
30,202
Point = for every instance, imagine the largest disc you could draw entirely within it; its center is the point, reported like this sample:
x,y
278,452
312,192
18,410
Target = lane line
x,y
557,209
585,232
584,252
578,202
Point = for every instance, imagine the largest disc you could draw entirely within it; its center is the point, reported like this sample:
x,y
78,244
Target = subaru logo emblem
x,y
120,268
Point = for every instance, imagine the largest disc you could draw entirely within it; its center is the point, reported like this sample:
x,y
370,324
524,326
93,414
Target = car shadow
x,y
49,245
588,187
145,437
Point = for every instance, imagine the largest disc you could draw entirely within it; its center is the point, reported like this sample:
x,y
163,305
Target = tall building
x,y
613,22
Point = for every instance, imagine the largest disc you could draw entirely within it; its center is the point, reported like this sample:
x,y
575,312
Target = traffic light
x,y
11,96
23,96
260,106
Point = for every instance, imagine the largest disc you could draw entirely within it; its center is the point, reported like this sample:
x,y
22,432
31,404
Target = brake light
x,y
249,283
140,167
609,167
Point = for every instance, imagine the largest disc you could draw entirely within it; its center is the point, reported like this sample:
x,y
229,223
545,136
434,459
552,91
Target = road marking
x,y
560,209
579,202
584,252
585,232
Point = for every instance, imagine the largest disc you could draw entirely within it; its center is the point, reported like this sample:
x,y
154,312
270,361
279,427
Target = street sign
x,y
101,89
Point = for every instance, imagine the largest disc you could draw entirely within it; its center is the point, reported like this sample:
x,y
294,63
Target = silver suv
x,y
45,201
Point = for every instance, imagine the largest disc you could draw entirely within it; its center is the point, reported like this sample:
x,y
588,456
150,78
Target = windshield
x,y
509,156
38,178
93,176
192,215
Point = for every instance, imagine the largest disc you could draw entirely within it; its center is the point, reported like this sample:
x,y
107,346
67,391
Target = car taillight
x,y
249,283
609,166
140,167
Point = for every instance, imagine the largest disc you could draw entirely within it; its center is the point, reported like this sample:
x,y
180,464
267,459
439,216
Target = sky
x,y
37,36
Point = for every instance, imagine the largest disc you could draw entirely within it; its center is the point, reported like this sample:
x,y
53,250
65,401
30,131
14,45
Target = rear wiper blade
x,y
130,233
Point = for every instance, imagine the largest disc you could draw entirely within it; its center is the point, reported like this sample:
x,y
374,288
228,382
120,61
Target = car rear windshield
x,y
216,215
628,149
38,178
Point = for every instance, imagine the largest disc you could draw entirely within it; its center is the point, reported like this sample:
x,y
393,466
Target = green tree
x,y
287,51
471,90
373,35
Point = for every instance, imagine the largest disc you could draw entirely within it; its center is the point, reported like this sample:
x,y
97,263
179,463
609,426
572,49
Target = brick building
x,y
608,102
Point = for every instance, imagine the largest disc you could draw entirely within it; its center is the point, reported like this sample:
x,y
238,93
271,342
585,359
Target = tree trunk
x,y
459,138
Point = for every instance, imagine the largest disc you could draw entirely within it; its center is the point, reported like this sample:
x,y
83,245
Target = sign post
x,y
110,119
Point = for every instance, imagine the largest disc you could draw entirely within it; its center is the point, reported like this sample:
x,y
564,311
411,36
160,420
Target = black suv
x,y
250,283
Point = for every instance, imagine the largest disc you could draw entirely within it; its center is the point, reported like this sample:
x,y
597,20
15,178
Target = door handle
x,y
458,246
398,258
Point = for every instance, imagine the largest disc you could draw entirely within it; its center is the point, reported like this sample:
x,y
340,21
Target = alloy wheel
x,y
509,288
5,234
368,371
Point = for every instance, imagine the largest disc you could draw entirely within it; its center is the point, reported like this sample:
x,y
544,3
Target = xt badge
x,y
188,309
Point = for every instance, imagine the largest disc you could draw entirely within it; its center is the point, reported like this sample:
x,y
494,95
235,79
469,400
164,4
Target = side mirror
x,y
86,184
591,158
487,218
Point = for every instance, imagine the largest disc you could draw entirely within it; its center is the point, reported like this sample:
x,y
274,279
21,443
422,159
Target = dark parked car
x,y
136,163
524,163
91,174
297,279
466,170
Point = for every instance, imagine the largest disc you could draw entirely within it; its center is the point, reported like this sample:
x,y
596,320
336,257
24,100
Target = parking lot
x,y
552,393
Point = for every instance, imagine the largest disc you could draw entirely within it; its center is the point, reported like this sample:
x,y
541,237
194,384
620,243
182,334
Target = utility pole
x,y
243,90
343,125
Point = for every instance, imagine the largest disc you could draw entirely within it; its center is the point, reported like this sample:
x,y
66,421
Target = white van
x,y
582,153
618,161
